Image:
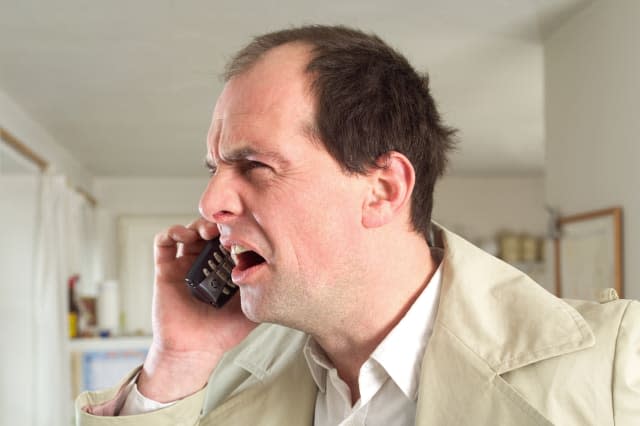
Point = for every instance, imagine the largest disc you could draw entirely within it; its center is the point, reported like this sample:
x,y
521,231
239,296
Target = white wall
x,y
17,122
18,198
592,103
122,195
480,207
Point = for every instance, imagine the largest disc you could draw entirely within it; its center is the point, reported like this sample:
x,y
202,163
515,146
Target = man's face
x,y
279,195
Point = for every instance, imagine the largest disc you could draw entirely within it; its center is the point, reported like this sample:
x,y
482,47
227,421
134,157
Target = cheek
x,y
314,222
325,208
327,228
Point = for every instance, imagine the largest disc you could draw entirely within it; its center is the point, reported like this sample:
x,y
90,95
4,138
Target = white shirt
x,y
388,380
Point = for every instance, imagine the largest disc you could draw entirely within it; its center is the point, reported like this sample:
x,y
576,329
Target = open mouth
x,y
245,259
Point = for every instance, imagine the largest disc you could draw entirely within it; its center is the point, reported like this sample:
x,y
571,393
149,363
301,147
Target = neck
x,y
378,304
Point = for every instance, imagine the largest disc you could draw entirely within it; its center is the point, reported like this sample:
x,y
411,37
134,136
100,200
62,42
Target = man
x,y
324,149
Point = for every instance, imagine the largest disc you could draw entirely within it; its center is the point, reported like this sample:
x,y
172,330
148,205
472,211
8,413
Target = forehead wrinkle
x,y
245,149
244,152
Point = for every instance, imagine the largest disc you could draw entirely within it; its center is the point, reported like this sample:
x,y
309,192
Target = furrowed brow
x,y
242,154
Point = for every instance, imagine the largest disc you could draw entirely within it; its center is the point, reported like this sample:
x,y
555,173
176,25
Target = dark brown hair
x,y
370,101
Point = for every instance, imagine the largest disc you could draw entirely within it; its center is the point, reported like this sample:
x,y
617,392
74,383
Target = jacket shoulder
x,y
595,384
626,366
604,317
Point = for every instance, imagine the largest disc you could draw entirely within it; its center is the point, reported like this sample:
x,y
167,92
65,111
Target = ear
x,y
389,190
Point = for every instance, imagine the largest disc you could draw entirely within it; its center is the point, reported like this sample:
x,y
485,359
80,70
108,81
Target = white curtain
x,y
64,247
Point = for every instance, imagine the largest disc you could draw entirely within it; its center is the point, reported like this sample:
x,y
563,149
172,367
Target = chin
x,y
255,309
262,310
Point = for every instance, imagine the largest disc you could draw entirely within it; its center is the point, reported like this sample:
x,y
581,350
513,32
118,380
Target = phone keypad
x,y
213,288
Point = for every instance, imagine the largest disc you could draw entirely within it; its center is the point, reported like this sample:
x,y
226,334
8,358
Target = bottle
x,y
74,310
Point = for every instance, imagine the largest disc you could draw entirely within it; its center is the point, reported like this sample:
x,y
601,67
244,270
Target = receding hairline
x,y
246,61
237,67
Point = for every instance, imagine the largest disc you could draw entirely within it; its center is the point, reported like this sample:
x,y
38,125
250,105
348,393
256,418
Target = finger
x,y
166,243
191,249
207,230
164,247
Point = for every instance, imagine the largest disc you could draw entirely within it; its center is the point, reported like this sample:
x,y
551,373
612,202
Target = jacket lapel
x,y
268,379
286,398
491,320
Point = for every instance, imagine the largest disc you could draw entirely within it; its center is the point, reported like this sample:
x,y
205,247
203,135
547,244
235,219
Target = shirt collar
x,y
402,350
318,363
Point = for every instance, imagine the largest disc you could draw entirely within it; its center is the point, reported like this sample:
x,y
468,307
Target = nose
x,y
220,202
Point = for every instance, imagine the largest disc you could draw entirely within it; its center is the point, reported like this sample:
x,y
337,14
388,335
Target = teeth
x,y
237,249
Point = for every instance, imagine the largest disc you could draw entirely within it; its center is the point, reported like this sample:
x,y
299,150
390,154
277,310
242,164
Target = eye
x,y
211,168
250,165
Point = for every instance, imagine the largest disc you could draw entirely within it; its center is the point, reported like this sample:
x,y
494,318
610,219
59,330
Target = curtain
x,y
64,247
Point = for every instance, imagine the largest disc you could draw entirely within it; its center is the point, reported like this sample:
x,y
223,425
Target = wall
x,y
122,195
592,103
481,206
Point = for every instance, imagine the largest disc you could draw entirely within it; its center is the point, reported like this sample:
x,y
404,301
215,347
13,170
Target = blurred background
x,y
104,108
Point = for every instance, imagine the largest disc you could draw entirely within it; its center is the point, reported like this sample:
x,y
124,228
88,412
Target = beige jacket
x,y
503,352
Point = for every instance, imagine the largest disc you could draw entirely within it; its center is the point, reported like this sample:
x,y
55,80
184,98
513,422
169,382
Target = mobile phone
x,y
209,278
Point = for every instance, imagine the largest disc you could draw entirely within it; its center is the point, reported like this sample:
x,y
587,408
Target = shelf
x,y
109,343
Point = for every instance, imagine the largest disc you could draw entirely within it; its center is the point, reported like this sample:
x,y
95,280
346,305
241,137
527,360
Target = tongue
x,y
248,259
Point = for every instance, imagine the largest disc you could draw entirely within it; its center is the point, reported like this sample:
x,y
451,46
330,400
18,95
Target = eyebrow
x,y
242,154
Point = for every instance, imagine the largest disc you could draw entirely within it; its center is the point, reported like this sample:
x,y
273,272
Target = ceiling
x,y
128,86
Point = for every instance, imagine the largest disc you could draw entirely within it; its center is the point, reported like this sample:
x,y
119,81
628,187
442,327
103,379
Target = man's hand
x,y
189,336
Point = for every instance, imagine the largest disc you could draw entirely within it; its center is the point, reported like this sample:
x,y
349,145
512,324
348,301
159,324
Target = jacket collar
x,y
265,377
500,314
268,349
491,319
